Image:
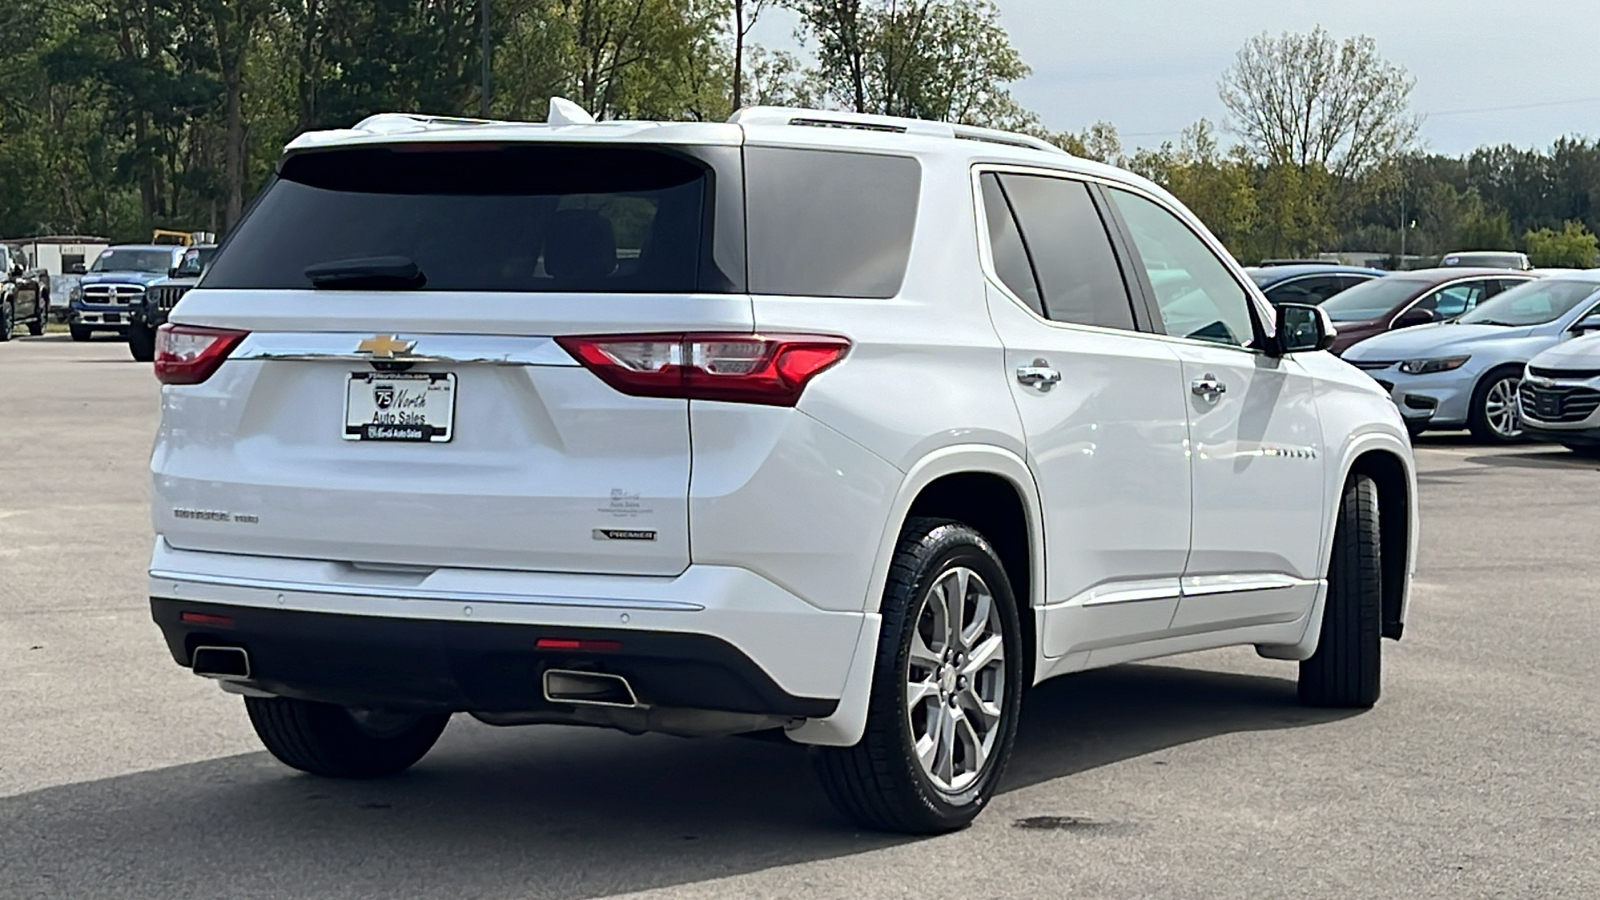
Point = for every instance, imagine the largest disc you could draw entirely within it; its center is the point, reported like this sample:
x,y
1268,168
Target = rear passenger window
x,y
1079,279
828,224
1005,245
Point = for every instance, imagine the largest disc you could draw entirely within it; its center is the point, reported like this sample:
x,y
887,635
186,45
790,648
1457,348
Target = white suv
x,y
846,426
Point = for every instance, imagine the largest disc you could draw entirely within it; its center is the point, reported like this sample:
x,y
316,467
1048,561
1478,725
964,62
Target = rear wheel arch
x,y
995,497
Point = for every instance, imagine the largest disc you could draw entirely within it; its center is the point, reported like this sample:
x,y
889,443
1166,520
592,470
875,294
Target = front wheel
x,y
1494,417
79,333
336,742
141,342
8,320
946,689
1345,670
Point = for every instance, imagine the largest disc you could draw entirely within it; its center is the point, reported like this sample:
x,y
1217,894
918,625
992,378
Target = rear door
x,y
407,404
1102,411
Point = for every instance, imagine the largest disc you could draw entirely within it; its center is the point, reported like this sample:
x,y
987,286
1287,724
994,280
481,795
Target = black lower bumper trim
x,y
468,666
1575,437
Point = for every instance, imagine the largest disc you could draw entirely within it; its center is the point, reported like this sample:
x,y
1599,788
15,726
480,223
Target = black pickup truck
x,y
24,295
160,297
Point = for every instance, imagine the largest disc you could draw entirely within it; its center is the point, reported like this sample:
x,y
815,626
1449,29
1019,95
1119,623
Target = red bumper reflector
x,y
572,644
197,618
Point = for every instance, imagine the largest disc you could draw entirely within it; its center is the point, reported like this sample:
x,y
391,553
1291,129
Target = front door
x,y
1103,413
1256,449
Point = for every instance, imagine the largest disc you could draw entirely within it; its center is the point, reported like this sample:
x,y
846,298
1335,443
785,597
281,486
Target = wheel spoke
x,y
982,604
918,692
973,704
977,751
955,606
945,765
983,655
922,656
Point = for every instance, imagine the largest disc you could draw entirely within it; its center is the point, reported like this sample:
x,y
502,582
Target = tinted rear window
x,y
481,218
828,224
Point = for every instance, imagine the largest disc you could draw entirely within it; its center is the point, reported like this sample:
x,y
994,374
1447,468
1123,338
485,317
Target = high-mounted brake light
x,y
770,369
189,354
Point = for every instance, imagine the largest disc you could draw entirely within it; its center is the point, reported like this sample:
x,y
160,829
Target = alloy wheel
x,y
1500,408
956,680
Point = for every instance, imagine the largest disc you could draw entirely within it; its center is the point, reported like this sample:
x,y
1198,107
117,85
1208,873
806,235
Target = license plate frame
x,y
400,407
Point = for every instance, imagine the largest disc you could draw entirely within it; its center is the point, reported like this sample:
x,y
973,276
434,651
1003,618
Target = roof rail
x,y
1010,138
380,123
816,118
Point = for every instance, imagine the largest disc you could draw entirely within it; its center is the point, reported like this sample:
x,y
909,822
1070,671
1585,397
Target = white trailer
x,y
59,254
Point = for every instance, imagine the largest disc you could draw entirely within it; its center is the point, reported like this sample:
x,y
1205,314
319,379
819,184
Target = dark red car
x,y
1412,298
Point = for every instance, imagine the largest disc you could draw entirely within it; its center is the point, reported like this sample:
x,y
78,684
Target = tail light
x,y
770,369
189,354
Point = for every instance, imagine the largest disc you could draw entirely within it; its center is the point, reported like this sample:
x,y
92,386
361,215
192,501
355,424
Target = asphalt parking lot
x,y
1478,774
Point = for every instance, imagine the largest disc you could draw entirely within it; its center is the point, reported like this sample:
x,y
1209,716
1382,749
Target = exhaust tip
x,y
227,663
588,689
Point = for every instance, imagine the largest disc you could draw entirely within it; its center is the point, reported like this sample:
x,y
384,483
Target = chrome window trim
x,y
1260,306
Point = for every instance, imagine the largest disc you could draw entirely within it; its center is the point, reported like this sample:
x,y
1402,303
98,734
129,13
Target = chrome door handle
x,y
1208,387
1038,375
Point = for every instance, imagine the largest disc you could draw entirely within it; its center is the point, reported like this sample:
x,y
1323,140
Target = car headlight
x,y
1425,366
76,295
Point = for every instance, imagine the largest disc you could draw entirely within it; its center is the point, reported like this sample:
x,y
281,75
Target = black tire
x,y
879,783
1415,431
326,740
141,342
1478,416
41,316
79,333
8,320
1345,671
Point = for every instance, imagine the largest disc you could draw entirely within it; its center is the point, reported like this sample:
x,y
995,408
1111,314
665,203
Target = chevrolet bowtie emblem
x,y
385,346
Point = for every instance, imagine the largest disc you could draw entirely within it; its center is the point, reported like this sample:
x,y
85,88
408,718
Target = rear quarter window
x,y
824,223
482,218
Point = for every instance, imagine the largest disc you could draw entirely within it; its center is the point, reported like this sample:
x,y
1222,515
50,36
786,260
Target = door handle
x,y
1208,387
1039,375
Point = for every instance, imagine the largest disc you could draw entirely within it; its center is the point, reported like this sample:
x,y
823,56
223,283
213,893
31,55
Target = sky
x,y
1150,67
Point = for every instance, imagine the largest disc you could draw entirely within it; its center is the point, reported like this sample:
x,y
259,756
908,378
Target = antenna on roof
x,y
565,112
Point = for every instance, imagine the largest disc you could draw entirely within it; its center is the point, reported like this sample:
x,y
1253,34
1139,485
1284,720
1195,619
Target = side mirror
x,y
78,269
1413,317
16,271
1302,328
1587,324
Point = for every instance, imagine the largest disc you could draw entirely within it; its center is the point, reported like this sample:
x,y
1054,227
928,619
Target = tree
x,y
945,60
1307,100
1574,246
745,15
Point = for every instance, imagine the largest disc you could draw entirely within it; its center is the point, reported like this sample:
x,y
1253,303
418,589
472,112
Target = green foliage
x,y
947,60
1574,246
117,116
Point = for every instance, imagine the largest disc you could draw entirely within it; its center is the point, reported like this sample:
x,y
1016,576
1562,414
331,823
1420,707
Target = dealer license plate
x,y
400,406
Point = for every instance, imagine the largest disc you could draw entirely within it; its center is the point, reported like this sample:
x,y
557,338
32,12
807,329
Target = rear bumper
x,y
481,667
714,637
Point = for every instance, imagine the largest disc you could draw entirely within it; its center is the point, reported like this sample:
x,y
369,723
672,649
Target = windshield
x,y
1534,303
1493,260
125,260
194,261
1373,299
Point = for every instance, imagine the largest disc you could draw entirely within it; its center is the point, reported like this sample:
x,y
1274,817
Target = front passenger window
x,y
1196,293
